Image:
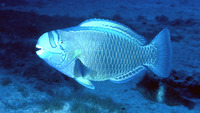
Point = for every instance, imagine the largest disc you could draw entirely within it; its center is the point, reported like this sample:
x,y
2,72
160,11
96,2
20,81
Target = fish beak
x,y
39,50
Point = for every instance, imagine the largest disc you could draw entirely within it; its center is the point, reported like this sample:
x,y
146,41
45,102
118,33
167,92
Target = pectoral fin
x,y
82,73
85,82
81,70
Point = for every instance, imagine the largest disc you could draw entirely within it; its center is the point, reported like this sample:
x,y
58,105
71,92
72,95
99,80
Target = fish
x,y
100,50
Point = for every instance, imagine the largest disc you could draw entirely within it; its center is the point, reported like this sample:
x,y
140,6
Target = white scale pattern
x,y
110,55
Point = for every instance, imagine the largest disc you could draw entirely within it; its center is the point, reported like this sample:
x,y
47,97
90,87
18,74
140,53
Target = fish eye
x,y
61,42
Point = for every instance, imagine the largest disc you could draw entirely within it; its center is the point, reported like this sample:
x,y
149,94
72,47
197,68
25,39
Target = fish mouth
x,y
39,50
42,53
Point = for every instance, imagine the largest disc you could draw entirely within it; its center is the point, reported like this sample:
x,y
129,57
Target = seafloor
x,y
29,85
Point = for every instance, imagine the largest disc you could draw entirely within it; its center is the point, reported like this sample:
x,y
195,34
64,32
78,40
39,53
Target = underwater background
x,y
29,85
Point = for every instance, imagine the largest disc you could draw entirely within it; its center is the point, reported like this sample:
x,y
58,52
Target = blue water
x,y
29,85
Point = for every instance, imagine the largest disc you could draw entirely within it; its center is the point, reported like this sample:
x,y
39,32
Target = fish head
x,y
50,48
48,45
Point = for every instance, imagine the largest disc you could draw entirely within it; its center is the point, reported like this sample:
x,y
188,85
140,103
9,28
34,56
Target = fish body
x,y
99,50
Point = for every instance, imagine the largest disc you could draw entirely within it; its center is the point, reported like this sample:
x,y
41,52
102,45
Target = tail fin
x,y
163,64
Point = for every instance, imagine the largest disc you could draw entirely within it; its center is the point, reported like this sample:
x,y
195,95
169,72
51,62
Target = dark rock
x,y
162,19
158,2
188,86
144,23
14,3
123,108
97,13
140,17
123,7
189,78
195,90
181,22
176,78
155,90
189,21
148,87
173,72
177,22
172,5
21,64
177,38
117,18
5,81
173,97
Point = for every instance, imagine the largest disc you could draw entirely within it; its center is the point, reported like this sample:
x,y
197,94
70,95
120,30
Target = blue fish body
x,y
99,50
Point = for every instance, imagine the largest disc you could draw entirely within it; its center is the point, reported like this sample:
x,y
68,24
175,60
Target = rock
x,y
161,19
155,90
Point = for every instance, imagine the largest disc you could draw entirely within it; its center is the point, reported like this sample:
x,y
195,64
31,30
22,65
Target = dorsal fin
x,y
114,26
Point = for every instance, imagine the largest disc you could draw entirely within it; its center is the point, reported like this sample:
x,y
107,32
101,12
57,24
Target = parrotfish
x,y
99,50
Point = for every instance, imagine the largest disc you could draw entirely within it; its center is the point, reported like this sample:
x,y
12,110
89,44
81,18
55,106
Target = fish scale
x,y
119,52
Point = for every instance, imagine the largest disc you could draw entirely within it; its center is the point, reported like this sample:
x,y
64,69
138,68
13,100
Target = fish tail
x,y
162,42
